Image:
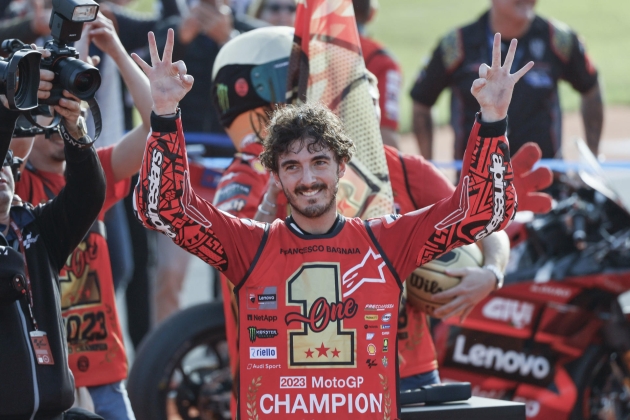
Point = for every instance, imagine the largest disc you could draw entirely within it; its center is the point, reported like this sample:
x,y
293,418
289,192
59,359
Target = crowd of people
x,y
69,208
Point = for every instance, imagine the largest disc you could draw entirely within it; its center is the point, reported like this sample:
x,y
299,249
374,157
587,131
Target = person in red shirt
x,y
245,191
306,285
95,342
380,62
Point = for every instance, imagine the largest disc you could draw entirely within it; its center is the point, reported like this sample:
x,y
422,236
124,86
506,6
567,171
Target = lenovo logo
x,y
515,312
510,361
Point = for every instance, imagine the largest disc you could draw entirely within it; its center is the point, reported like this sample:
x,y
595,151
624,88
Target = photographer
x,y
35,380
87,289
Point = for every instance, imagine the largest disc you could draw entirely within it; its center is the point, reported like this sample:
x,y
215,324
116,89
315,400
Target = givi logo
x,y
515,312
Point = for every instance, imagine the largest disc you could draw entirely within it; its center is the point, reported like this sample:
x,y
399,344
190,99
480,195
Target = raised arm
x,y
164,200
484,200
66,219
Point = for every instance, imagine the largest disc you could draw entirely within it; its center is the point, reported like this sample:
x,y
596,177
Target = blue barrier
x,y
222,140
208,139
557,165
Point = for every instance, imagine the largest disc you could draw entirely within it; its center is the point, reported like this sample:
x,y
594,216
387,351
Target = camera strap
x,y
94,109
29,290
96,117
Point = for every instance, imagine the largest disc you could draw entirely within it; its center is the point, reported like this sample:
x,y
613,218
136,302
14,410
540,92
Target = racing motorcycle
x,y
554,337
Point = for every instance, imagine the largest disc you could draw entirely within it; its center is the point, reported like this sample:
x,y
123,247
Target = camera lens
x,y
78,77
83,82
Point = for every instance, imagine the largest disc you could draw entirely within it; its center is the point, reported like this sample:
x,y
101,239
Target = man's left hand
x,y
476,284
70,109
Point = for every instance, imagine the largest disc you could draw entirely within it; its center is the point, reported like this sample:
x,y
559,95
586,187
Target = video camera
x,y
19,73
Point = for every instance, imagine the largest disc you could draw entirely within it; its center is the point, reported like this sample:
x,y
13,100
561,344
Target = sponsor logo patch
x,y
378,307
262,297
255,333
263,353
371,349
262,318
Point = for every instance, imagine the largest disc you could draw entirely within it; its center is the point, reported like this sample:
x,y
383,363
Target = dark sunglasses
x,y
49,131
275,8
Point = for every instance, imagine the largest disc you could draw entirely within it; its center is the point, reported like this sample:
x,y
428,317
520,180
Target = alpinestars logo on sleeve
x,y
153,199
497,170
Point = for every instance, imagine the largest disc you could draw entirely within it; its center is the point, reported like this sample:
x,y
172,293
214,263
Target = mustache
x,y
304,188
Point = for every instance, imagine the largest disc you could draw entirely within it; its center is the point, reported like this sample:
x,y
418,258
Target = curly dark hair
x,y
312,121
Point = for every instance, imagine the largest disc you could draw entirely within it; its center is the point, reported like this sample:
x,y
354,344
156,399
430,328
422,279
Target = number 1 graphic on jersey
x,y
321,341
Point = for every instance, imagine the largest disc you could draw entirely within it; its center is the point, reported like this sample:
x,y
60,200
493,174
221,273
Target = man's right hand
x,y
169,81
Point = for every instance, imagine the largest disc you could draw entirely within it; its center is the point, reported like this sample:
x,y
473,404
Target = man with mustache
x,y
320,275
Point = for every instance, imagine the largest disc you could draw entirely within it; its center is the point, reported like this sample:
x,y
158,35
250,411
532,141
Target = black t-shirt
x,y
535,109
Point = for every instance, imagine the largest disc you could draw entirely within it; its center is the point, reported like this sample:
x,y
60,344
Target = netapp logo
x,y
255,333
263,353
262,318
517,313
496,358
153,198
497,171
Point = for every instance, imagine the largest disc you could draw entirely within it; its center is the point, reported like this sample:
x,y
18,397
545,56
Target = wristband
x,y
497,273
263,211
82,143
268,202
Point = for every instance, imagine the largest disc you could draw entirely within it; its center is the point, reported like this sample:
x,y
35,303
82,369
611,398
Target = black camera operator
x,y
35,381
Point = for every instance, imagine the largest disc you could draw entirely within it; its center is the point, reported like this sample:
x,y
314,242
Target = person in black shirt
x,y
35,380
535,109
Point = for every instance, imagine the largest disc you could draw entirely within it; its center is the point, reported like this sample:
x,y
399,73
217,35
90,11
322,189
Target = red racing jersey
x,y
96,352
309,304
416,184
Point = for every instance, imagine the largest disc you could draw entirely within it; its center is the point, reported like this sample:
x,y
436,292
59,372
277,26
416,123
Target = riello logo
x,y
510,361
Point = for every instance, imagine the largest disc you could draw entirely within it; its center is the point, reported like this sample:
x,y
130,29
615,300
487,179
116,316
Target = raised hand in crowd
x,y
493,90
212,18
169,81
40,17
102,33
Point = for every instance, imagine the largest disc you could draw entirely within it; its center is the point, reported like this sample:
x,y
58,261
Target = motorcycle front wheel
x,y
601,386
181,370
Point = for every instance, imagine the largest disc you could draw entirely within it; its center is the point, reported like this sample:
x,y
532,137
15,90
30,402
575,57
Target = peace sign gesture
x,y
493,90
169,81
